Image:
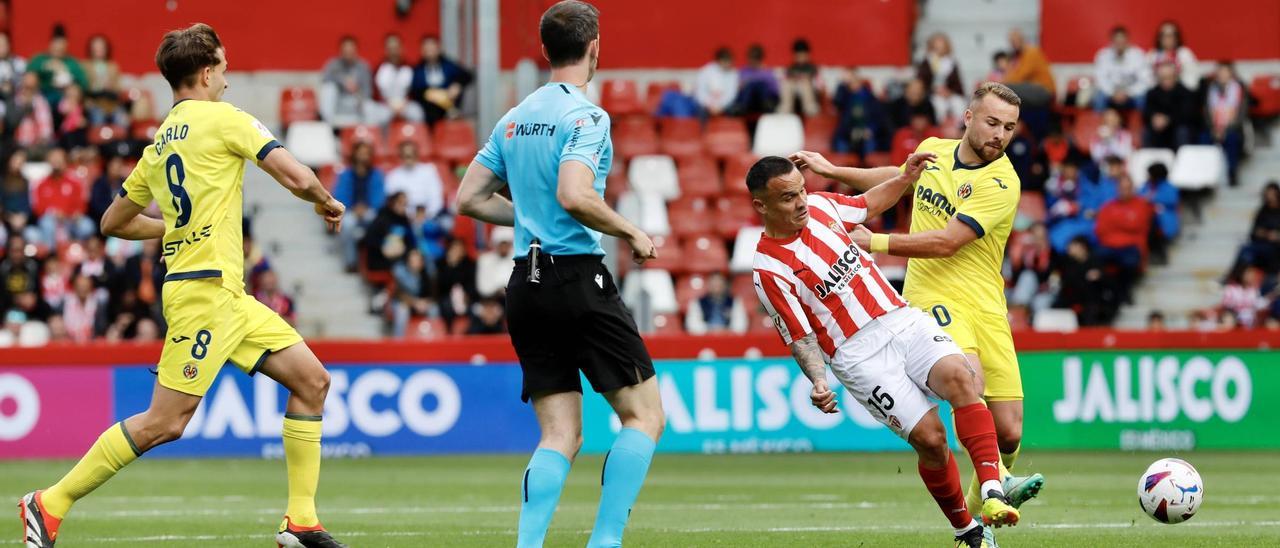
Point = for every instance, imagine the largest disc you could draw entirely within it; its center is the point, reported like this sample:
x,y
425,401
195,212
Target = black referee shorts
x,y
573,321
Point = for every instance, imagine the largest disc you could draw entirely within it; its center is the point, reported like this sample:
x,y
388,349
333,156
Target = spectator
x,y
758,93
938,68
1000,64
84,312
419,181
1169,113
861,122
1121,74
269,293
800,85
15,194
455,282
30,116
493,268
122,318
1155,321
1169,49
1263,248
1123,227
106,187
390,235
914,100
144,275
413,291
19,270
438,82
346,89
12,66
361,189
394,77
489,318
55,282
55,69
1164,201
73,130
1029,73
1030,267
949,107
718,310
60,203
906,139
1084,288
716,83
103,72
100,268
1225,110
1112,138
1242,296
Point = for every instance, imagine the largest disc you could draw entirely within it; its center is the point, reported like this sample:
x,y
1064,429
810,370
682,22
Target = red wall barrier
x,y
1072,31
498,348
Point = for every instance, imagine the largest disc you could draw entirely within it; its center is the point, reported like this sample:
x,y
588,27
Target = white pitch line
x,y
493,509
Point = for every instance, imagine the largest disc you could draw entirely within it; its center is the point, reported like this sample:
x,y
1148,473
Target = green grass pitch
x,y
873,500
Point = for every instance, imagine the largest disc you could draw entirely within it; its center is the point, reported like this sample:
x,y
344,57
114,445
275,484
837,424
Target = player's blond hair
x,y
999,90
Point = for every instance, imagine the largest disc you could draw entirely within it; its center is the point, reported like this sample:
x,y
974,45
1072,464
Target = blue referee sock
x,y
624,469
540,493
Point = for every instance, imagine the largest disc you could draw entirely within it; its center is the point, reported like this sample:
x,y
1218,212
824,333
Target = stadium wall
x,y
1073,31
1094,389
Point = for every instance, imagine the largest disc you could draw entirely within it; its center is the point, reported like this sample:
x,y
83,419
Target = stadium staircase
x,y
1198,261
977,28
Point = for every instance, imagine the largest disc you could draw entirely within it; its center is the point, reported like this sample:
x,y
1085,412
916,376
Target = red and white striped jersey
x,y
819,281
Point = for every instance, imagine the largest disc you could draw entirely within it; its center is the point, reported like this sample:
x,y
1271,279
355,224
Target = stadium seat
x,y
455,141
349,136
670,255
876,159
735,174
1142,159
1265,88
312,143
448,181
1086,126
650,289
733,213
691,217
743,286
1031,207
680,137
778,135
144,130
654,174
100,135
634,136
298,104
744,249
648,211
667,324
1198,167
726,136
621,97
615,185
133,95
427,328
1059,320
704,255
415,132
894,268
690,288
653,93
699,176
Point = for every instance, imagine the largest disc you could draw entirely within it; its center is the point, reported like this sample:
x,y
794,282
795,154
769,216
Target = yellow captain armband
x,y
879,243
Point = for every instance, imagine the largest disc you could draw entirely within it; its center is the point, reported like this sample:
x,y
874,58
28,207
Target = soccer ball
x,y
1170,491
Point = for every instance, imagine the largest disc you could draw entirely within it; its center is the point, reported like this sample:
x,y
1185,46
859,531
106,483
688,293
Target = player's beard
x,y
986,153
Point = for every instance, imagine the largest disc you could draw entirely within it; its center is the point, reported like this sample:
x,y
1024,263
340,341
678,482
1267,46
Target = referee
x,y
564,313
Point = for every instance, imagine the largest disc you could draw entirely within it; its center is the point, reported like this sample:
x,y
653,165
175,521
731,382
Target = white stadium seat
x,y
1143,158
1058,320
647,210
312,143
1198,167
650,289
744,249
654,174
778,135
35,172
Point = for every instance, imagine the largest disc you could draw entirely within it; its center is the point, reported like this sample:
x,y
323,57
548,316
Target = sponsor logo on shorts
x,y
894,422
941,338
190,371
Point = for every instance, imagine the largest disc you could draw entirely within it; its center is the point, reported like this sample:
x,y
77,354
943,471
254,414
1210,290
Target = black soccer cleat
x,y
978,537
297,536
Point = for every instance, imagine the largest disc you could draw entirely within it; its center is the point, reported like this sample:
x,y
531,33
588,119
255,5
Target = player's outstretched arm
x,y
578,197
478,196
886,195
809,357
124,219
861,179
303,183
944,242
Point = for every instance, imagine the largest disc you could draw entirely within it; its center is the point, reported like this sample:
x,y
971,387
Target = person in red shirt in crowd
x,y
269,293
907,138
61,203
1122,227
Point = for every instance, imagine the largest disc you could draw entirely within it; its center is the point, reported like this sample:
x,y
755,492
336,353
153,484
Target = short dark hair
x,y
755,52
998,56
348,38
765,169
800,45
1119,29
566,29
185,52
1157,171
723,52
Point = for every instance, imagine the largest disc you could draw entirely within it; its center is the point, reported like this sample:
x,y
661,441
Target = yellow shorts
x,y
986,335
210,325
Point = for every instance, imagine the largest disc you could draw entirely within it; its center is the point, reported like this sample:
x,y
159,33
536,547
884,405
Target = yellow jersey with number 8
x,y
194,170
984,197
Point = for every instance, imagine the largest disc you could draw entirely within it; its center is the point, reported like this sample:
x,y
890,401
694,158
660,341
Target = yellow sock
x,y
302,459
1007,459
113,450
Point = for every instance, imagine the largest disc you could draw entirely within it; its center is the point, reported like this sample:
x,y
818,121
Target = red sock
x,y
944,485
977,432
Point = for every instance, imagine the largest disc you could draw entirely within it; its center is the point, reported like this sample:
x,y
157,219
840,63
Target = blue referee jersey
x,y
553,125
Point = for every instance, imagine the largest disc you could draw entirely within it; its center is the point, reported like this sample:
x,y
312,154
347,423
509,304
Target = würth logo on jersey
x,y
511,129
840,274
530,129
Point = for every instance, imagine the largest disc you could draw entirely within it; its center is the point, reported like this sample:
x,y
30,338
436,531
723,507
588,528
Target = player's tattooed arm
x,y
809,357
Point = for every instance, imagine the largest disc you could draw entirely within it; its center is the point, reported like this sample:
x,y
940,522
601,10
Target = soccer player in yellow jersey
x,y
194,171
962,211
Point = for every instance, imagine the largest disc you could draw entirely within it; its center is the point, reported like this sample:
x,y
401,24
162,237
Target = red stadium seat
x,y
133,95
1085,128
349,136
816,183
328,176
144,130
455,141
725,136
449,181
817,133
670,255
878,159
698,176
691,216
298,104
616,184
621,97
667,324
743,287
634,136
734,213
1031,206
690,288
705,255
1266,89
99,135
680,137
427,328
735,173
653,93
415,132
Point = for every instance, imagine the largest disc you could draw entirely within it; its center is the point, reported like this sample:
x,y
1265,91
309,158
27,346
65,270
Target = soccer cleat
x,y
997,512
297,536
1021,489
978,537
39,529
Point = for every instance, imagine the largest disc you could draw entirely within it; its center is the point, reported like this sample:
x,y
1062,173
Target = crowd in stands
x,y
70,135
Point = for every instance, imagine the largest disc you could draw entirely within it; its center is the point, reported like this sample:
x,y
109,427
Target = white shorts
x,y
885,366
